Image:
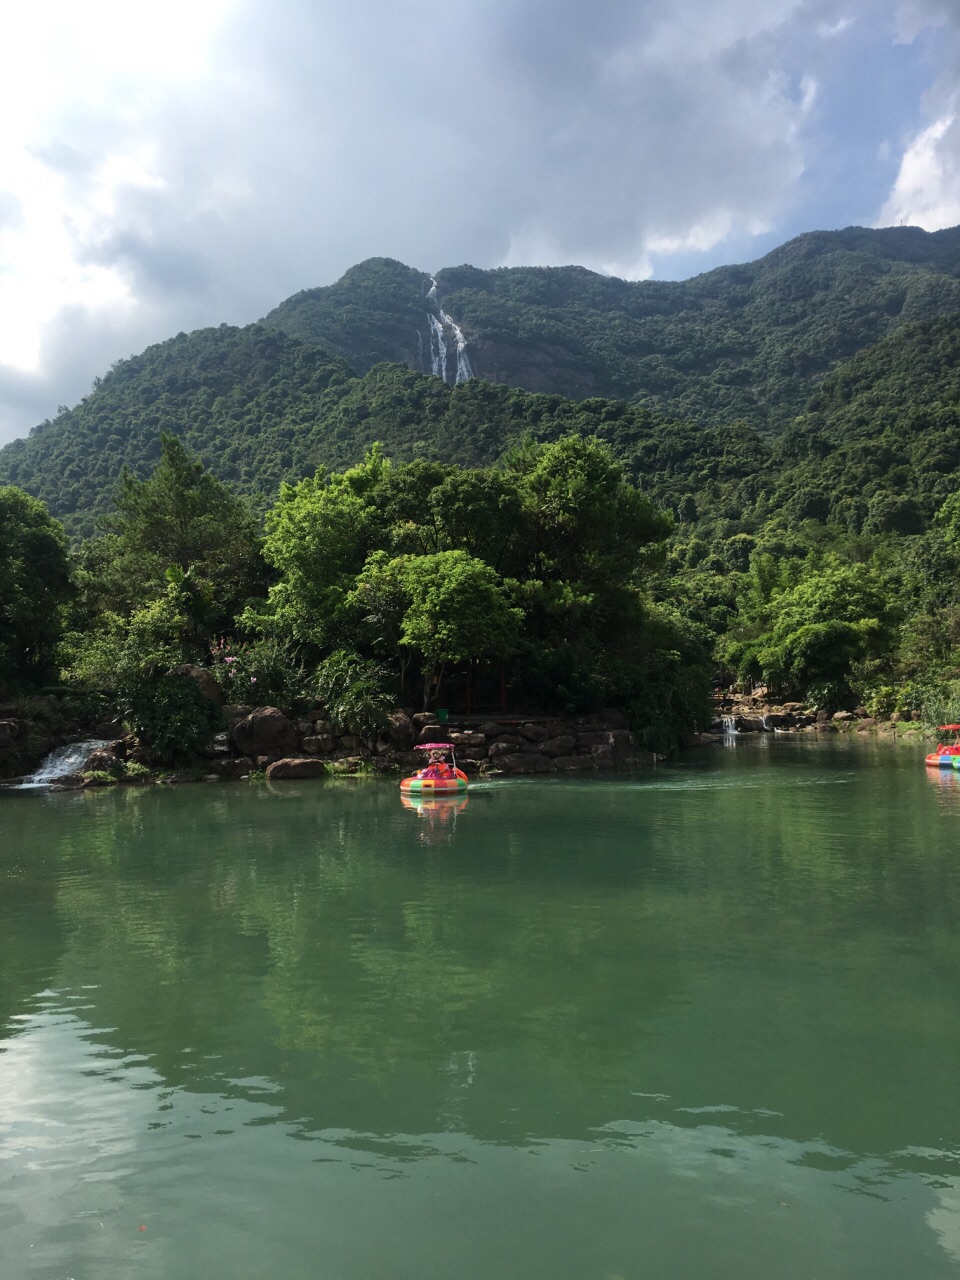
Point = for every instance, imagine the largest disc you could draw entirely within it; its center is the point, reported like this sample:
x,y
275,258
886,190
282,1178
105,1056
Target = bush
x,y
356,691
172,718
264,671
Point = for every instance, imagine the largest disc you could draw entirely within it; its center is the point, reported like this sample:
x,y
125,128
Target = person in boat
x,y
437,766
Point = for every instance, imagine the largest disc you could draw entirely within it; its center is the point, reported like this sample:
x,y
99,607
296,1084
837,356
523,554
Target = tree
x,y
180,517
34,586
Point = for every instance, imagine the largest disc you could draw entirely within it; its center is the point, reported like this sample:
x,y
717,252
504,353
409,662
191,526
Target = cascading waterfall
x,y
464,371
438,348
68,759
438,341
729,724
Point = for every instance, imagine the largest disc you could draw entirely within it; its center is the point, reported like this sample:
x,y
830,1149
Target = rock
x,y
602,756
560,746
138,755
536,732
349,765
9,730
916,715
265,732
351,743
231,768
468,741
827,727
108,729
324,728
401,730
822,717
422,718
305,728
595,738
234,712
101,761
567,764
842,717
525,762
205,679
296,768
179,779
614,718
310,744
505,747
867,723
68,782
490,729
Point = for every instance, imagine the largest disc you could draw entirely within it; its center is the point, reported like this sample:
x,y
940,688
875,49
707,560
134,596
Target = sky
x,y
169,166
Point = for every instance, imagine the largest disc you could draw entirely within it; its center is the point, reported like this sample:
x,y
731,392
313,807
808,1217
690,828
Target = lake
x,y
702,1021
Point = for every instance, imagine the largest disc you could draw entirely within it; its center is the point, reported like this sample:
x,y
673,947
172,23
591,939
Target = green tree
x,y
34,586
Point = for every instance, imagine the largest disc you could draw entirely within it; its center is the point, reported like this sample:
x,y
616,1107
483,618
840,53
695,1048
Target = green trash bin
x,y
443,714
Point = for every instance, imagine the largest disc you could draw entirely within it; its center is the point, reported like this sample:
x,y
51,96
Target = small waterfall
x,y
464,371
729,724
765,724
68,759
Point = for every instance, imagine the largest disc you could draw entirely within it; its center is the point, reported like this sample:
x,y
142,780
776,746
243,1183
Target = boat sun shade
x,y
434,746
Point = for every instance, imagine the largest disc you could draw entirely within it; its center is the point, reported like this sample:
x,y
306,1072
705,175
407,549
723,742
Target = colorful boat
x,y
450,782
947,755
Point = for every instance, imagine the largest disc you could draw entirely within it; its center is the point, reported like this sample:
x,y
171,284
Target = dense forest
x,y
247,500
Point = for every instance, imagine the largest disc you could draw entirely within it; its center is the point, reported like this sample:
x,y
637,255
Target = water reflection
x,y
705,992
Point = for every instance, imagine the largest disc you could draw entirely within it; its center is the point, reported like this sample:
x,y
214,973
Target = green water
x,y
703,1022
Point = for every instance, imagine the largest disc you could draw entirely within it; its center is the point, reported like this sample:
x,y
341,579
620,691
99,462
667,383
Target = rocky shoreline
x,y
754,713
264,741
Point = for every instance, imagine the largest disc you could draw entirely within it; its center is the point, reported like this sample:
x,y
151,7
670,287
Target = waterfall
x,y
464,371
68,759
729,724
438,348
438,341
765,722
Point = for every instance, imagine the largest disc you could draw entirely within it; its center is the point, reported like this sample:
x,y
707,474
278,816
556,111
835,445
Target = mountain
x,y
874,443
747,342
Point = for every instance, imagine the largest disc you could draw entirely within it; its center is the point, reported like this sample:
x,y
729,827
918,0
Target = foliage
x,y
171,716
34,586
264,670
356,692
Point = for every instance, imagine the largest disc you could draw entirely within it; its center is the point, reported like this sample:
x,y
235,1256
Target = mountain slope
x,y
743,342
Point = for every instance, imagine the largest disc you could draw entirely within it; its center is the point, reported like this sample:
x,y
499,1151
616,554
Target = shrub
x,y
356,692
171,717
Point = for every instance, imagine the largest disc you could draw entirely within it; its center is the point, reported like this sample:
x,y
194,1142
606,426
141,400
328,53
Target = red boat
x,y
947,755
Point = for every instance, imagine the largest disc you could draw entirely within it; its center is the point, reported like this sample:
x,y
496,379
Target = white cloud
x,y
927,190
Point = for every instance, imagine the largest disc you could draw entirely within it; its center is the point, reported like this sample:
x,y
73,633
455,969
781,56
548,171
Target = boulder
x,y
351,743
401,730
296,767
506,747
234,712
265,732
101,761
842,717
490,729
421,718
867,723
602,756
560,746
310,743
567,764
595,738
536,732
108,729
525,762
468,741
349,765
9,730
205,679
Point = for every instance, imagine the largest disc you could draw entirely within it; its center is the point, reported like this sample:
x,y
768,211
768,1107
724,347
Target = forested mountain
x,y
746,342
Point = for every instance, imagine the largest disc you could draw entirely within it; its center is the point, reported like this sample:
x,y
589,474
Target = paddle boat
x,y
437,777
947,755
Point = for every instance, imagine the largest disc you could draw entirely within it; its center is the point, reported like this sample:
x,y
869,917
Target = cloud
x,y
926,192
172,166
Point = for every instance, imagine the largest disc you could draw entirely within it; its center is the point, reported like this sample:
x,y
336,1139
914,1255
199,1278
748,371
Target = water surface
x,y
703,1021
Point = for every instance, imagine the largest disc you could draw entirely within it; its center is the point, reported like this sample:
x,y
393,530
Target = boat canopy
x,y
434,746
948,728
